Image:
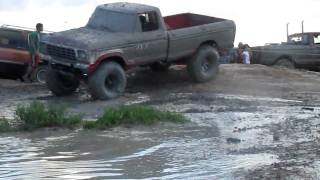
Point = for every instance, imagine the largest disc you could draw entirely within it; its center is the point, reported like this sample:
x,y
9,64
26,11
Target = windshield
x,y
112,21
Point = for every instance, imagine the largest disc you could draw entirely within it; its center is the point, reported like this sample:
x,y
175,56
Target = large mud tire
x,y
204,65
60,84
107,82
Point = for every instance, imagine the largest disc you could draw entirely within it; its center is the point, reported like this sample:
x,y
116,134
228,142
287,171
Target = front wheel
x,y
61,84
107,82
40,74
204,65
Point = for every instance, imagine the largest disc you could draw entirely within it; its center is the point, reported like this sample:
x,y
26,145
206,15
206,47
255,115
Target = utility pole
x,y
288,32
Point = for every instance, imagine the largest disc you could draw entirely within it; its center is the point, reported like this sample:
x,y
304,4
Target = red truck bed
x,y
186,20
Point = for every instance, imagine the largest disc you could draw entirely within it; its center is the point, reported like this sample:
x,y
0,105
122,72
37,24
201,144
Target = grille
x,y
61,52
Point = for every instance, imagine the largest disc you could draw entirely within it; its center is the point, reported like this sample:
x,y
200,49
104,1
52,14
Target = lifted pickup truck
x,y
120,36
302,50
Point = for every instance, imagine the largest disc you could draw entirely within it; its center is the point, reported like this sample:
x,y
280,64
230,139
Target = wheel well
x,y
210,43
43,62
116,59
285,57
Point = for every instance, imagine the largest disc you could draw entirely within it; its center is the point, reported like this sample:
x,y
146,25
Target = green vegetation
x,y
133,115
4,125
37,115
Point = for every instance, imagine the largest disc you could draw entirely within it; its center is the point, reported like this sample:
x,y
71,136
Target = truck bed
x,y
188,31
186,20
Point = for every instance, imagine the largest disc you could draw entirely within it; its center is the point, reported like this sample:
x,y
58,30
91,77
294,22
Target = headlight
x,y
82,55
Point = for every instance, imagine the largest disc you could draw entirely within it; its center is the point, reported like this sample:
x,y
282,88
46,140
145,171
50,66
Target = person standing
x,y
34,47
239,53
245,55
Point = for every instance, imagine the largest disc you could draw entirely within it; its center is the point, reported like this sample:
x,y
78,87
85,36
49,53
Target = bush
x,y
133,115
4,125
37,115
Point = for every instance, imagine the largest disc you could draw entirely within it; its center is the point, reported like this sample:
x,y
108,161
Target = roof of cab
x,y
306,33
128,7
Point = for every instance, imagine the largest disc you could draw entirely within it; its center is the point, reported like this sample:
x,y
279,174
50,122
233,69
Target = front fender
x,y
109,56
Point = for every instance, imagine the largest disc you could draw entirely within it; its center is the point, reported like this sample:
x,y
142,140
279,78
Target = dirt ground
x,y
253,80
265,120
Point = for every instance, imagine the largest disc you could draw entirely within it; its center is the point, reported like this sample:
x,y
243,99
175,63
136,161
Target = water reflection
x,y
166,151
89,155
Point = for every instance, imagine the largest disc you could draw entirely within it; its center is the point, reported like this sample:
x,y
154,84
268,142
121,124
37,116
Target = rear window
x,y
316,39
12,39
149,21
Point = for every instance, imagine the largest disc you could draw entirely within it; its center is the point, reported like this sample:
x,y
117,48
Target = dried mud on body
x,y
252,122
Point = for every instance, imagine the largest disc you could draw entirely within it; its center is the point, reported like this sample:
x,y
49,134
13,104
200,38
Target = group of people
x,y
244,53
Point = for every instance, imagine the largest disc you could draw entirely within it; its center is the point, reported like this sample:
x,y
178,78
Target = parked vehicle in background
x,y
14,55
300,51
120,36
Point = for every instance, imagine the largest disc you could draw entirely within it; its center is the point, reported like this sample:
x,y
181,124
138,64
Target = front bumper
x,y
74,67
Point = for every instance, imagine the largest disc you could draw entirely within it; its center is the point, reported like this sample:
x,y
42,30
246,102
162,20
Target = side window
x,y
12,39
296,39
4,42
149,21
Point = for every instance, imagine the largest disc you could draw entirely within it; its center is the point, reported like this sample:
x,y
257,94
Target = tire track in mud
x,y
288,129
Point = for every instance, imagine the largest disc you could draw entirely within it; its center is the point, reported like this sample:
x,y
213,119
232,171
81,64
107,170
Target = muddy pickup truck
x,y
302,50
120,36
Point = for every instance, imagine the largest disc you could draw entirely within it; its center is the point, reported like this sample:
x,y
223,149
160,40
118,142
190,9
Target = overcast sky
x,y
258,21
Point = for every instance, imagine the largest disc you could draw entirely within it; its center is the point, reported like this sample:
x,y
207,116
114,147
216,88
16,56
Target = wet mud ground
x,y
252,122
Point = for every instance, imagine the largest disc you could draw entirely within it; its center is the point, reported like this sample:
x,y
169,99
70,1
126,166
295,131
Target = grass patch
x,y
133,115
37,115
4,125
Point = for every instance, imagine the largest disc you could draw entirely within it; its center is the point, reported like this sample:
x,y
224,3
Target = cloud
x,y
258,22
13,5
64,3
16,5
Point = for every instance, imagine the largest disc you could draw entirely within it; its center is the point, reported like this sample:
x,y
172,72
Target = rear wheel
x,y
107,82
60,84
286,63
204,65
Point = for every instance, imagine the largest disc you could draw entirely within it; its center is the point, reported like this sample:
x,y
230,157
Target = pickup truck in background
x,y
302,50
120,36
14,55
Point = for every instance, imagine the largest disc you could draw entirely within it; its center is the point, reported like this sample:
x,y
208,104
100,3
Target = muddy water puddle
x,y
229,137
